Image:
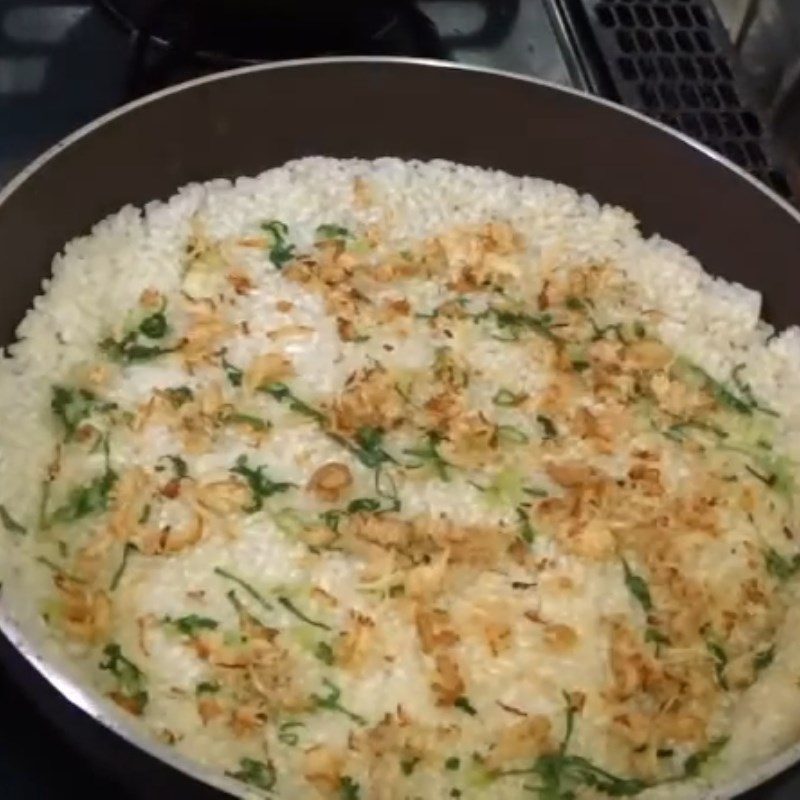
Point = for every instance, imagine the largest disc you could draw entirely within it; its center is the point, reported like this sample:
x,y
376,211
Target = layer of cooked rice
x,y
397,479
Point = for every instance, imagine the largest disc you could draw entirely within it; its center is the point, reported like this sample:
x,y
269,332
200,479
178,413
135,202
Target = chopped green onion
x,y
549,430
260,484
526,531
117,576
513,323
511,433
464,704
223,573
330,231
256,423
745,389
280,250
368,448
779,566
656,637
9,523
286,732
695,762
260,774
282,393
232,373
324,652
130,679
293,609
154,326
349,789
179,395
192,624
507,398
637,587
331,702
85,500
763,659
71,407
720,662
179,466
428,453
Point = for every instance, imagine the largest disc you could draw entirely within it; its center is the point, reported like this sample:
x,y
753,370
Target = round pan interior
x,y
246,121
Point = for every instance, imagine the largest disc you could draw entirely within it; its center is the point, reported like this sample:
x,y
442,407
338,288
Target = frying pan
x,y
245,121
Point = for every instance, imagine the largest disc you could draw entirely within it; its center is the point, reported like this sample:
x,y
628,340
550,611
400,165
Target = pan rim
x,y
39,161
103,712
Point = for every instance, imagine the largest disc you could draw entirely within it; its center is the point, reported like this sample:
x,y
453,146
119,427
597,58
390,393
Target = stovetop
x,y
64,62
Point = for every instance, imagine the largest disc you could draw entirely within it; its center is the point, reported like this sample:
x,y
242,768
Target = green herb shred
x,y
9,523
324,652
349,789
407,765
256,423
452,763
280,250
283,394
260,484
232,372
287,732
257,596
154,326
331,231
369,447
549,430
260,774
179,395
331,702
192,624
293,609
363,504
507,398
512,324
559,774
722,394
720,662
71,407
763,659
428,454
131,680
130,348
207,687
58,569
464,704
637,586
656,637
779,566
85,500
746,391
695,762
511,433
526,531
179,466
123,564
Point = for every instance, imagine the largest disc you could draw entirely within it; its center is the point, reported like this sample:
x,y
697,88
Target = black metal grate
x,y
672,59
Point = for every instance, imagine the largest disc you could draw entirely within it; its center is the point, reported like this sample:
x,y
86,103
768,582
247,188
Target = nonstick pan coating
x,y
246,121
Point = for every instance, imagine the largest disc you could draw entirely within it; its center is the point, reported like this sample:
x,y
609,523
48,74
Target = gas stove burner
x,y
219,33
174,40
